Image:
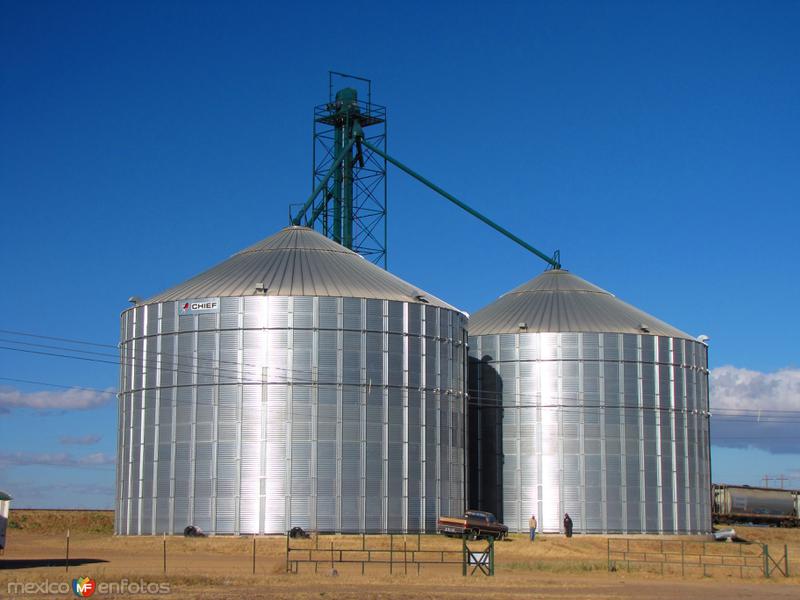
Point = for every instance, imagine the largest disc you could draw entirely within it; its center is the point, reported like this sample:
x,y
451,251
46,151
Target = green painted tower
x,y
348,196
351,205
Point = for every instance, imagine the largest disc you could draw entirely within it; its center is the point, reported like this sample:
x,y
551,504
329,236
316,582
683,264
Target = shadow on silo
x,y
485,437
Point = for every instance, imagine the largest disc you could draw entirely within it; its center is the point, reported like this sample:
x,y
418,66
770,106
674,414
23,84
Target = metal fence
x,y
697,557
403,553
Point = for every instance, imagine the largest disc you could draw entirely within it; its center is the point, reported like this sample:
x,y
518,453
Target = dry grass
x,y
553,566
557,566
52,521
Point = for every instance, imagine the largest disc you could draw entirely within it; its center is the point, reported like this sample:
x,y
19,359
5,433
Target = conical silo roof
x,y
558,301
298,261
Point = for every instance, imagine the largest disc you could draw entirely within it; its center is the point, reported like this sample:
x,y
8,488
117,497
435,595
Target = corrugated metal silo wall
x,y
610,428
334,414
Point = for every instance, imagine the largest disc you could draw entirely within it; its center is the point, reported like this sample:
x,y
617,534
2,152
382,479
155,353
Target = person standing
x,y
532,525
567,525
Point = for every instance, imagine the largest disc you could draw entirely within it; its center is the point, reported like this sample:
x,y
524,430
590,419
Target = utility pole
x,y
781,478
766,479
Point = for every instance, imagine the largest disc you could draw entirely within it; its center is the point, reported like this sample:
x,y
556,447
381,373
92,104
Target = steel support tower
x,y
348,195
351,206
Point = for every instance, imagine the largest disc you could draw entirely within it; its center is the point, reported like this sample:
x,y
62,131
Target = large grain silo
x,y
583,404
294,384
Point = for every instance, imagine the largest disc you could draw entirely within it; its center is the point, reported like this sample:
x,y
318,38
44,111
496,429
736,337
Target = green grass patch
x,y
555,566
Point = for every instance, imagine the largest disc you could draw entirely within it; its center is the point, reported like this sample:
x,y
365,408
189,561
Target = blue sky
x,y
656,144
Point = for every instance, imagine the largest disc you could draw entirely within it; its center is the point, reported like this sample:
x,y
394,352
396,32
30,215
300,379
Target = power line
x,y
52,347
159,364
754,437
554,407
60,339
714,438
102,391
60,355
57,385
474,400
482,401
116,355
121,347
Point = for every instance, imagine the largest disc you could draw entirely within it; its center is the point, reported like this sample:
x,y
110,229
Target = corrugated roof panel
x,y
558,301
298,261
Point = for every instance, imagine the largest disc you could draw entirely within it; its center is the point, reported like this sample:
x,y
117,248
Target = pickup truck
x,y
476,524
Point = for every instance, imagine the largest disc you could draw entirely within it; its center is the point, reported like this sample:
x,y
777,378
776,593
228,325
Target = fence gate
x,y
781,565
479,559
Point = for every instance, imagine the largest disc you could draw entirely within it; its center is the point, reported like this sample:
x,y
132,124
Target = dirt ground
x,y
552,567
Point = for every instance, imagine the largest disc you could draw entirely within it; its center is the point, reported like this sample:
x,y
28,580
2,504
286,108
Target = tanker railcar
x,y
746,504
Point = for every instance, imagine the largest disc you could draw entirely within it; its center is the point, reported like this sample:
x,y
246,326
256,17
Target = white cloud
x,y
81,440
71,399
746,406
732,387
58,459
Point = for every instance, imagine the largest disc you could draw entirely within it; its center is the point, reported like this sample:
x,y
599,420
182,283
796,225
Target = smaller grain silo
x,y
583,404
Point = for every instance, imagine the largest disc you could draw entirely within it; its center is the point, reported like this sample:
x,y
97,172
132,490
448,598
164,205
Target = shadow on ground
x,y
32,563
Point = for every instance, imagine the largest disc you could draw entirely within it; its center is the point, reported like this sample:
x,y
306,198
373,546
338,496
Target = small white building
x,y
5,504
